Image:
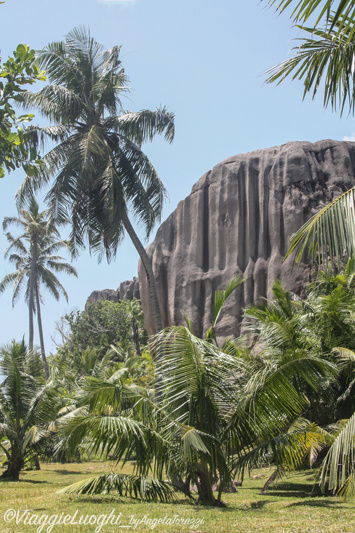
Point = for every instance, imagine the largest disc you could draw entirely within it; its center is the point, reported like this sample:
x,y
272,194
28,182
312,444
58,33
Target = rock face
x,y
238,219
127,290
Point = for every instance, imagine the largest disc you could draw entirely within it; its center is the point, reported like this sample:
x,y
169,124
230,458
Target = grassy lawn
x,y
291,506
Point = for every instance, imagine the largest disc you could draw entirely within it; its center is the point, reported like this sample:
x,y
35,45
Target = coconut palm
x,y
100,171
315,326
210,403
26,406
33,254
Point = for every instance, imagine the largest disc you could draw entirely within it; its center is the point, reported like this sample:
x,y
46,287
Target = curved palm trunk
x,y
32,291
40,331
153,294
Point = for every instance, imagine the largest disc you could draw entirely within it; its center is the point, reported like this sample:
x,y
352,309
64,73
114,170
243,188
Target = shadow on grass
x,y
126,500
317,503
252,506
295,490
258,505
70,472
32,481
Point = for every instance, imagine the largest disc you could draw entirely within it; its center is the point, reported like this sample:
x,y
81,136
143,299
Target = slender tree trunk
x,y
135,336
37,463
40,331
153,294
274,477
32,291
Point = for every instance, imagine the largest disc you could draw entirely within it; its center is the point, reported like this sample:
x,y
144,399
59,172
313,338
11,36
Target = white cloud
x,y
350,138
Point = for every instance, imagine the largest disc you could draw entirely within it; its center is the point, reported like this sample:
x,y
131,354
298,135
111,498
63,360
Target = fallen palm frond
x,y
143,488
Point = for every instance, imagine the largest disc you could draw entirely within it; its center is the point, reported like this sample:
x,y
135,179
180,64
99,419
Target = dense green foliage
x,y
15,73
207,413
101,325
26,406
213,408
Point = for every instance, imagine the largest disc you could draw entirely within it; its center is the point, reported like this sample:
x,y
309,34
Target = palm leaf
x,y
330,233
338,466
143,488
303,9
325,57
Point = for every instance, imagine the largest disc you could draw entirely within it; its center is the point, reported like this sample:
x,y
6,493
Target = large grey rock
x,y
127,290
238,219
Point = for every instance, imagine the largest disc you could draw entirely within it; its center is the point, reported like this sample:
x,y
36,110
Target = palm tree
x,y
99,168
26,406
210,403
317,325
32,253
214,408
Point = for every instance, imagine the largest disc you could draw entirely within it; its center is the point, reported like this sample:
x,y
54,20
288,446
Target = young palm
x,y
26,406
210,403
99,168
33,254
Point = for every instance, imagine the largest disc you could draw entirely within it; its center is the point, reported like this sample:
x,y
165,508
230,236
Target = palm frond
x,y
303,9
330,233
142,126
220,298
139,487
338,466
326,56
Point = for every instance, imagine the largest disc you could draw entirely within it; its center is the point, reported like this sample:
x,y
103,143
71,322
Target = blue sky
x,y
203,60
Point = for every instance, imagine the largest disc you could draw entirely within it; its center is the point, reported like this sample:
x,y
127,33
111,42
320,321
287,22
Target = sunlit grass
x,y
293,505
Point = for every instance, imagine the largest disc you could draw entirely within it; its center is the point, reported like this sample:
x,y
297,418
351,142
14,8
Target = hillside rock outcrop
x,y
127,290
238,219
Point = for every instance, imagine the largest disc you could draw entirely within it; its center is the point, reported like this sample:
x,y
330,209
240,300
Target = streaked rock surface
x,y
238,219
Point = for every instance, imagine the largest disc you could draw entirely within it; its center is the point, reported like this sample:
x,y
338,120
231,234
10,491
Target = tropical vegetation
x,y
105,331
15,148
189,414
27,406
100,171
33,253
206,418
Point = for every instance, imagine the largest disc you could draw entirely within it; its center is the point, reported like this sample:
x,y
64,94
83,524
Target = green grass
x,y
292,506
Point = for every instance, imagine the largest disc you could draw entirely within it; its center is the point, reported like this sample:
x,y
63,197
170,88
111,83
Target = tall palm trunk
x,y
40,331
135,336
153,294
32,290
